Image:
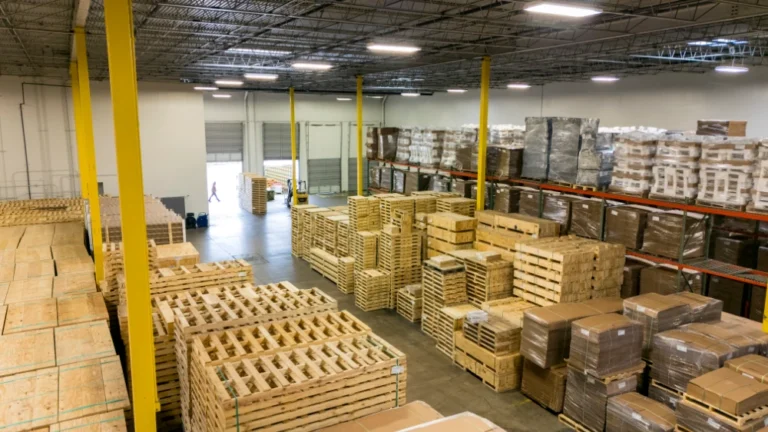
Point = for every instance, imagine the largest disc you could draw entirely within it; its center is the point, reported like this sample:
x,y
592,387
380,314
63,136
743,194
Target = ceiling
x,y
191,40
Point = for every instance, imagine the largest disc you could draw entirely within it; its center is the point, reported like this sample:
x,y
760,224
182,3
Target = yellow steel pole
x,y
89,151
765,313
118,17
293,146
81,160
482,133
359,135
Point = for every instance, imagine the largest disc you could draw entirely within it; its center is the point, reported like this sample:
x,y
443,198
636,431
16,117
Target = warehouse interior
x,y
389,215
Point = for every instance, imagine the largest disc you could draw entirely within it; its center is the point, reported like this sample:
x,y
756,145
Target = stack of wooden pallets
x,y
342,239
365,250
177,254
317,227
424,204
308,219
409,302
499,232
449,321
208,350
331,233
345,275
324,263
69,233
488,277
41,211
462,206
400,256
554,270
113,266
608,270
510,309
163,225
494,334
253,193
373,290
444,284
390,204
363,214
448,232
500,372
298,213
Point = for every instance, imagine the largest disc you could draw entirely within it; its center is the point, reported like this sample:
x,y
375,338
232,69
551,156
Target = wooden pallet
x,y
449,321
34,269
462,206
365,250
74,284
488,277
726,417
721,205
494,335
409,302
324,263
498,372
85,341
444,284
510,309
345,274
27,290
573,424
373,290
176,254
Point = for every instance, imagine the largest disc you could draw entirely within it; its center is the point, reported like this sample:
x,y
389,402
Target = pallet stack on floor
x,y
449,321
409,302
252,193
399,255
163,225
444,283
58,364
499,232
462,206
488,277
41,211
447,232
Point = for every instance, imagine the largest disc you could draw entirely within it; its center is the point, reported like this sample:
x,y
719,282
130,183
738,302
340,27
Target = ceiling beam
x,y
79,19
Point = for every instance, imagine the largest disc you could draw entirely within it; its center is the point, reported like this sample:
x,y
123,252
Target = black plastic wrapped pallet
x,y
506,199
538,134
756,303
388,143
738,250
564,149
529,203
586,218
731,292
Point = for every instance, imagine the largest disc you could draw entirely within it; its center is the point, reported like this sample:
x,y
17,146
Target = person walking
x,y
213,193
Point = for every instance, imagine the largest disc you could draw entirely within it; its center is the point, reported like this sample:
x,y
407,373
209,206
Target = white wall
x,y
671,101
171,121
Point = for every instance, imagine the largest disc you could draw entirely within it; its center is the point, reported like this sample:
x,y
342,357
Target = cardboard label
x,y
242,274
682,348
750,377
584,206
614,212
585,332
621,385
641,309
397,370
713,423
655,218
621,332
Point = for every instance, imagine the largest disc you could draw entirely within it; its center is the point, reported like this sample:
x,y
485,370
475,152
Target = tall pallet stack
x,y
490,348
163,225
113,267
444,283
365,250
409,302
608,270
448,232
298,213
488,278
633,163
363,214
324,263
462,206
388,206
309,226
727,169
373,290
343,242
554,270
424,204
345,275
324,231
500,232
253,193
450,319
400,256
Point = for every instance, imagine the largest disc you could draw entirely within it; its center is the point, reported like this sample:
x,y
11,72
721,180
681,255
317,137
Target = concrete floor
x,y
265,241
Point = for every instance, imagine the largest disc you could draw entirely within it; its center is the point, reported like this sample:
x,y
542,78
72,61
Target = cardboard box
x,y
733,128
603,345
735,250
751,366
756,303
664,231
529,203
630,285
731,292
464,422
694,417
391,420
558,209
729,391
586,218
546,335
545,385
703,308
747,328
742,345
656,313
586,397
663,279
626,225
634,412
681,355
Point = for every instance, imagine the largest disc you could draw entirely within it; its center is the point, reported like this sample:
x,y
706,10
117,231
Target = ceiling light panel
x,y
398,49
562,10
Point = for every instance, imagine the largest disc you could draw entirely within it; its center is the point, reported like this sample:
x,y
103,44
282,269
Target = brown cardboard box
x,y
603,345
694,417
669,398
756,303
630,286
586,397
681,355
729,391
546,335
734,128
735,250
464,422
762,258
742,345
506,199
635,412
751,366
586,218
664,280
545,386
656,313
703,308
558,209
731,292
529,202
664,231
391,420
626,225
747,328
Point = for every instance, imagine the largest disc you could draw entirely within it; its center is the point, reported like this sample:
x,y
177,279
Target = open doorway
x,y
225,174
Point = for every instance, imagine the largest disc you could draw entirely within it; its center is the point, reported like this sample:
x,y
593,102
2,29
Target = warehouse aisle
x,y
265,243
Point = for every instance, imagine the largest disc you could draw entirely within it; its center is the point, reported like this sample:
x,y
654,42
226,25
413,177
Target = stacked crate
x,y
163,225
176,254
388,206
409,302
345,275
444,283
608,270
298,213
447,232
318,225
400,256
488,277
331,232
253,193
363,214
372,290
554,270
308,221
499,232
365,250
449,321
490,348
324,263
462,206
424,203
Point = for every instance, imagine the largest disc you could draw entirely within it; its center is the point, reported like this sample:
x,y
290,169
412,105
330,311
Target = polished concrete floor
x,y
265,241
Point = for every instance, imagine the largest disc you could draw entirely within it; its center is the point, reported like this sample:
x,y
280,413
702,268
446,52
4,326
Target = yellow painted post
x,y
89,151
482,133
118,17
765,313
359,135
293,146
81,162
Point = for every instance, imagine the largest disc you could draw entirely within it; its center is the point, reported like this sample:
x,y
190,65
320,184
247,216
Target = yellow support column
x,y
118,17
765,313
359,135
88,150
81,162
482,133
293,146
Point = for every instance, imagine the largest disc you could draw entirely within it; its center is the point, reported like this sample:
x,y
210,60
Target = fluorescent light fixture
x,y
343,99
605,78
722,40
410,94
228,82
700,43
732,69
261,77
563,10
375,97
312,66
221,96
257,51
519,86
204,88
456,91
400,49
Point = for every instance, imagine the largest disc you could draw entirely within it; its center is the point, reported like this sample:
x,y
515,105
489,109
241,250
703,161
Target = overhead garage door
x,y
224,141
324,161
277,141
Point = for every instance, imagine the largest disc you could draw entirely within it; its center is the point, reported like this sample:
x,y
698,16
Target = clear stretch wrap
x,y
703,308
537,147
586,218
676,166
372,143
663,279
597,178
558,208
586,397
595,156
633,162
657,313
504,162
512,136
398,178
727,170
438,183
417,140
633,412
374,177
564,149
457,149
506,198
388,143
403,154
604,345
665,231
625,224
431,149
529,202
